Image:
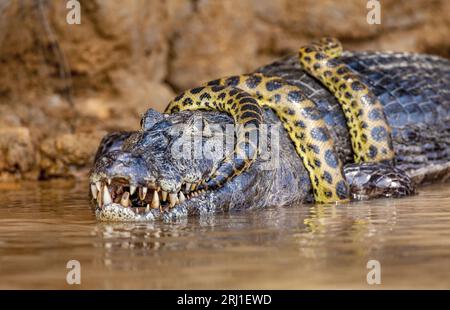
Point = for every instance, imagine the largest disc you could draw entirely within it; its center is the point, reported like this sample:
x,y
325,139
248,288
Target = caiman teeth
x,y
125,200
188,187
164,195
142,192
106,196
158,201
132,189
99,199
94,191
155,200
173,199
181,197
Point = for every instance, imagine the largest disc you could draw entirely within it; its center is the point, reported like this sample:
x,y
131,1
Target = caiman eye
x,y
142,123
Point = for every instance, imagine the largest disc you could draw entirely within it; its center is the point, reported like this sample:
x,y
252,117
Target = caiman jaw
x,y
137,202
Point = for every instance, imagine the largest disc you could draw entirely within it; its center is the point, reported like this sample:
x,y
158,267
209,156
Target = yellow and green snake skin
x,y
243,96
369,132
306,128
247,115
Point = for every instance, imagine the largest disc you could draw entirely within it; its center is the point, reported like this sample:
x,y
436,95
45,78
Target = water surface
x,y
44,225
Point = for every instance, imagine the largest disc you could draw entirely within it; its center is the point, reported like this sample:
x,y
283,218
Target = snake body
x,y
365,125
306,128
369,131
247,115
244,96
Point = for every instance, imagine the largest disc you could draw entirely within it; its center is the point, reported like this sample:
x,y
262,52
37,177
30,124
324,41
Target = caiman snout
x,y
124,186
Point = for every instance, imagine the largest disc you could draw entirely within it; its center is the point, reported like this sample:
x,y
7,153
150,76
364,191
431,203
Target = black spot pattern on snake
x,y
300,118
327,177
214,82
317,162
375,114
273,85
379,133
300,124
241,95
311,113
320,56
250,114
320,134
247,100
187,101
205,96
373,152
253,81
277,98
331,159
342,70
221,96
332,63
362,109
233,92
233,81
342,189
314,148
295,96
217,88
224,98
300,136
289,112
179,97
196,90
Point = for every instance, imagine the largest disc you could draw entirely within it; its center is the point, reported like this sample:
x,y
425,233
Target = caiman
x,y
323,126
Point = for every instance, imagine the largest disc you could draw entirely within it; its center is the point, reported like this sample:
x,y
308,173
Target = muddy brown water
x,y
44,225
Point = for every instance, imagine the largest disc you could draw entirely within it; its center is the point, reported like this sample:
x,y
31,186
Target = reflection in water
x,y
44,225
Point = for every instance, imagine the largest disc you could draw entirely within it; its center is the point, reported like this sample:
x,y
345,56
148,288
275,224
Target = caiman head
x,y
155,172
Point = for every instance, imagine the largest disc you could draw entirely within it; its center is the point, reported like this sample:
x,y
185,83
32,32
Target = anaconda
x,y
400,107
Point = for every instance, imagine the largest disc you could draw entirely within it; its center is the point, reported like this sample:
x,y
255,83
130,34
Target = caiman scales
x,y
343,125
